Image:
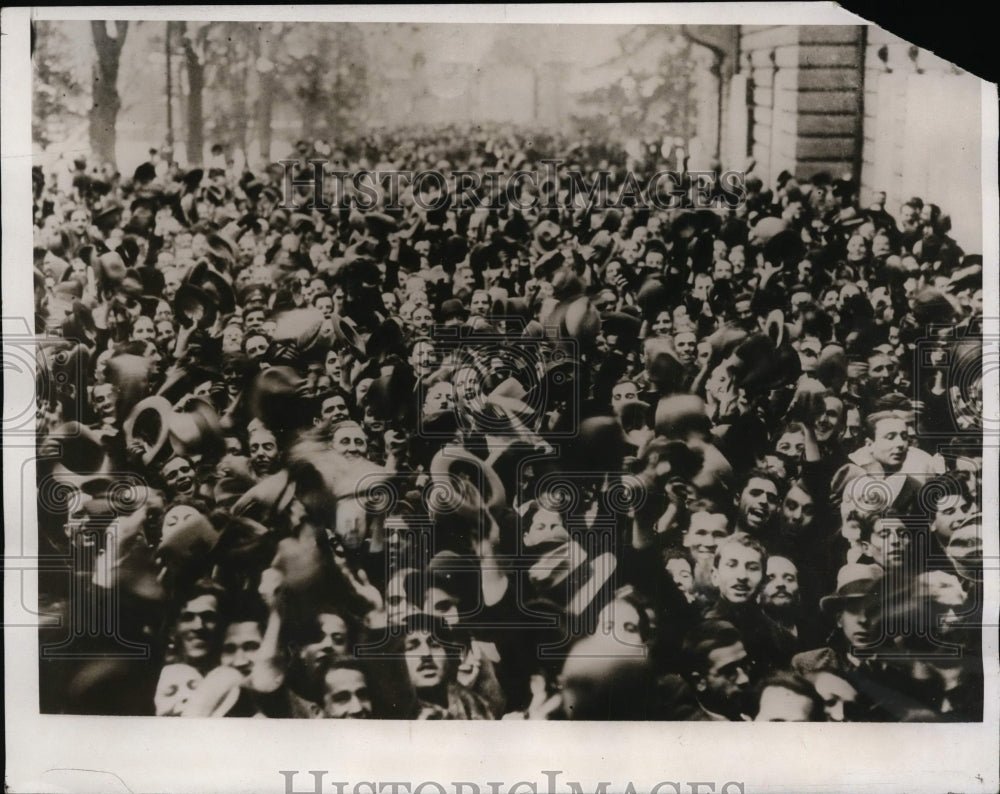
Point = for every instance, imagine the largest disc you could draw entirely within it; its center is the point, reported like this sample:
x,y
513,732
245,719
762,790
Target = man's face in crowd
x,y
439,398
165,334
738,259
350,442
965,549
423,358
423,320
197,628
684,344
240,645
881,369
739,573
232,339
480,305
744,315
949,513
758,503
256,346
859,621
171,281
779,704
173,690
653,260
797,510
702,284
79,221
263,452
722,270
143,330
888,542
830,423
255,320
838,696
346,695
466,384
330,643
704,534
179,476
397,604
334,409
620,619
426,660
623,393
704,353
104,400
333,366
325,305
892,439
681,575
723,687
781,584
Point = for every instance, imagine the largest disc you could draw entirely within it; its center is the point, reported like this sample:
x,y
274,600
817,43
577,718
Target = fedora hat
x,y
214,284
454,464
854,580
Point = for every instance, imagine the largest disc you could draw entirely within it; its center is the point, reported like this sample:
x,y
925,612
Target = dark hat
x,y
379,224
216,285
854,580
109,216
145,173
784,248
624,326
192,179
220,250
253,295
191,301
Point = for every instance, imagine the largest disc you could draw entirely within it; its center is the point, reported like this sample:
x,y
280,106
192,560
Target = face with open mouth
x,y
758,503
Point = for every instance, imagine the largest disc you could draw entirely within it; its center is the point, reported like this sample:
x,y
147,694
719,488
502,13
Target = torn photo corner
x,y
599,375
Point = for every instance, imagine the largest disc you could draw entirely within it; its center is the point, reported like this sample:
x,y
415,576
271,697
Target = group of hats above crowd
x,y
507,451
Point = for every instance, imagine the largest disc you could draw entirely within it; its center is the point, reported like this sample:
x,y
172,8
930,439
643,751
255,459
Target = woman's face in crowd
x,y
663,325
426,660
240,645
176,517
329,643
546,526
232,339
620,619
173,690
791,445
350,442
263,452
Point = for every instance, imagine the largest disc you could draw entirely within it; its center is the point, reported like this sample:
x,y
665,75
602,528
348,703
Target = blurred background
x,y
845,100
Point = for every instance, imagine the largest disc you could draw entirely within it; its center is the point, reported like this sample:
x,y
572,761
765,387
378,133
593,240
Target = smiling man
x,y
738,573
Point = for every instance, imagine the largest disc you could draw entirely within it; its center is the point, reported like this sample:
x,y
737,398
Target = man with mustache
x,y
738,573
781,600
432,659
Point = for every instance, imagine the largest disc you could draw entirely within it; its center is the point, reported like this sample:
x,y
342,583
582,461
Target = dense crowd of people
x,y
503,452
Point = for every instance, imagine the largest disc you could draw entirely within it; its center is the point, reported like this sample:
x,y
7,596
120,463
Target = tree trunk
x,y
196,85
106,102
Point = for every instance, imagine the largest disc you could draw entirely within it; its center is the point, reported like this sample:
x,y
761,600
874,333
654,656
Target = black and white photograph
x,y
455,365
